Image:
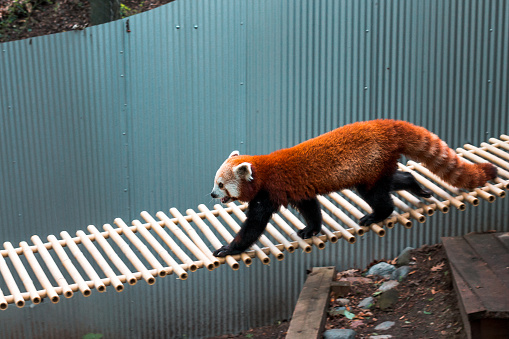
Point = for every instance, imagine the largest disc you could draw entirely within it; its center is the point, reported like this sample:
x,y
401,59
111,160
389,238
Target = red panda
x,y
362,155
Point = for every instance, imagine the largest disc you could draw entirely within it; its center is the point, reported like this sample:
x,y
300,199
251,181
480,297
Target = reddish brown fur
x,y
359,153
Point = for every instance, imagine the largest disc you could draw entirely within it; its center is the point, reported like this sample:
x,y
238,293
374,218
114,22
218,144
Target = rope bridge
x,y
178,244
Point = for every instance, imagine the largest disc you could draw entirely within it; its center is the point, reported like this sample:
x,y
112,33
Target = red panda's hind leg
x,y
310,210
406,181
379,199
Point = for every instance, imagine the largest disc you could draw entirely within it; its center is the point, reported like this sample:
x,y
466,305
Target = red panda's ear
x,y
244,171
234,154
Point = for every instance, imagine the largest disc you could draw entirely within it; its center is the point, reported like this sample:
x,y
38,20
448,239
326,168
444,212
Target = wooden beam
x,y
308,318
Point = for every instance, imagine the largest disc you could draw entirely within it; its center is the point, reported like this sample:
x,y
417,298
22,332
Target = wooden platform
x,y
480,268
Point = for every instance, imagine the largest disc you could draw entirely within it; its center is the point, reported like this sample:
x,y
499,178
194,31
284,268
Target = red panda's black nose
x,y
213,195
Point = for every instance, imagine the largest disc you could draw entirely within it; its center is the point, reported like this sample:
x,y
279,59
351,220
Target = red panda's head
x,y
233,179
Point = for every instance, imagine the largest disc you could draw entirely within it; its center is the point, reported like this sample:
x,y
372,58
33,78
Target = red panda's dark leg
x,y
379,198
258,214
406,181
310,210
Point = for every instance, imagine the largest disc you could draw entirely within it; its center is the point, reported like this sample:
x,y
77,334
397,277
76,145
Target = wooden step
x,y
480,268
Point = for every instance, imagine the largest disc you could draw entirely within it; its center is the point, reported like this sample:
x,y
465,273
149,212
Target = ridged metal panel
x,y
181,109
61,132
101,123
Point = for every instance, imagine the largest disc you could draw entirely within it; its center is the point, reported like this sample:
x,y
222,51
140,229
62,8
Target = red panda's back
x,y
358,153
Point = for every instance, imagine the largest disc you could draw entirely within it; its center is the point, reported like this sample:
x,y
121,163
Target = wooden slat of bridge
x,y
180,244
480,267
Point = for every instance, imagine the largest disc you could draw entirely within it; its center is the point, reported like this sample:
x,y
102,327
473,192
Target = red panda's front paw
x,y
307,233
226,250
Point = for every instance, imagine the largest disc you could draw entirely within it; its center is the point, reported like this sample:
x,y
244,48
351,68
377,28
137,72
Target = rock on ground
x,y
388,285
387,299
366,303
384,326
343,301
400,273
339,334
381,269
404,257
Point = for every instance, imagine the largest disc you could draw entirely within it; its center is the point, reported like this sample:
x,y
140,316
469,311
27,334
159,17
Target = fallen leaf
x,y
365,314
437,267
348,315
348,273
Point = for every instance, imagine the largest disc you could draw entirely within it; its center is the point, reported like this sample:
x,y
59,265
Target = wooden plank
x,y
461,287
308,318
468,300
483,282
469,304
495,254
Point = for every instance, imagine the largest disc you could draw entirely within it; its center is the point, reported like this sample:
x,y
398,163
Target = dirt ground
x,y
426,307
21,19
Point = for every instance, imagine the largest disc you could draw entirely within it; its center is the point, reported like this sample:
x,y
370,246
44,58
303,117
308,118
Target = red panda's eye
x,y
221,185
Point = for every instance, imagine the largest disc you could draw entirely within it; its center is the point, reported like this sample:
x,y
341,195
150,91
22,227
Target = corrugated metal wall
x,y
102,123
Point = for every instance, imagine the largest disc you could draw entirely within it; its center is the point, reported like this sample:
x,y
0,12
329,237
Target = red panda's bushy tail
x,y
421,145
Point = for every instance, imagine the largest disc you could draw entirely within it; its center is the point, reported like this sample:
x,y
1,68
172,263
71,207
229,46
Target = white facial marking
x,y
228,180
226,184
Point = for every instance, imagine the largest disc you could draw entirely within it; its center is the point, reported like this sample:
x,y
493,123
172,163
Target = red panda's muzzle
x,y
227,199
223,192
